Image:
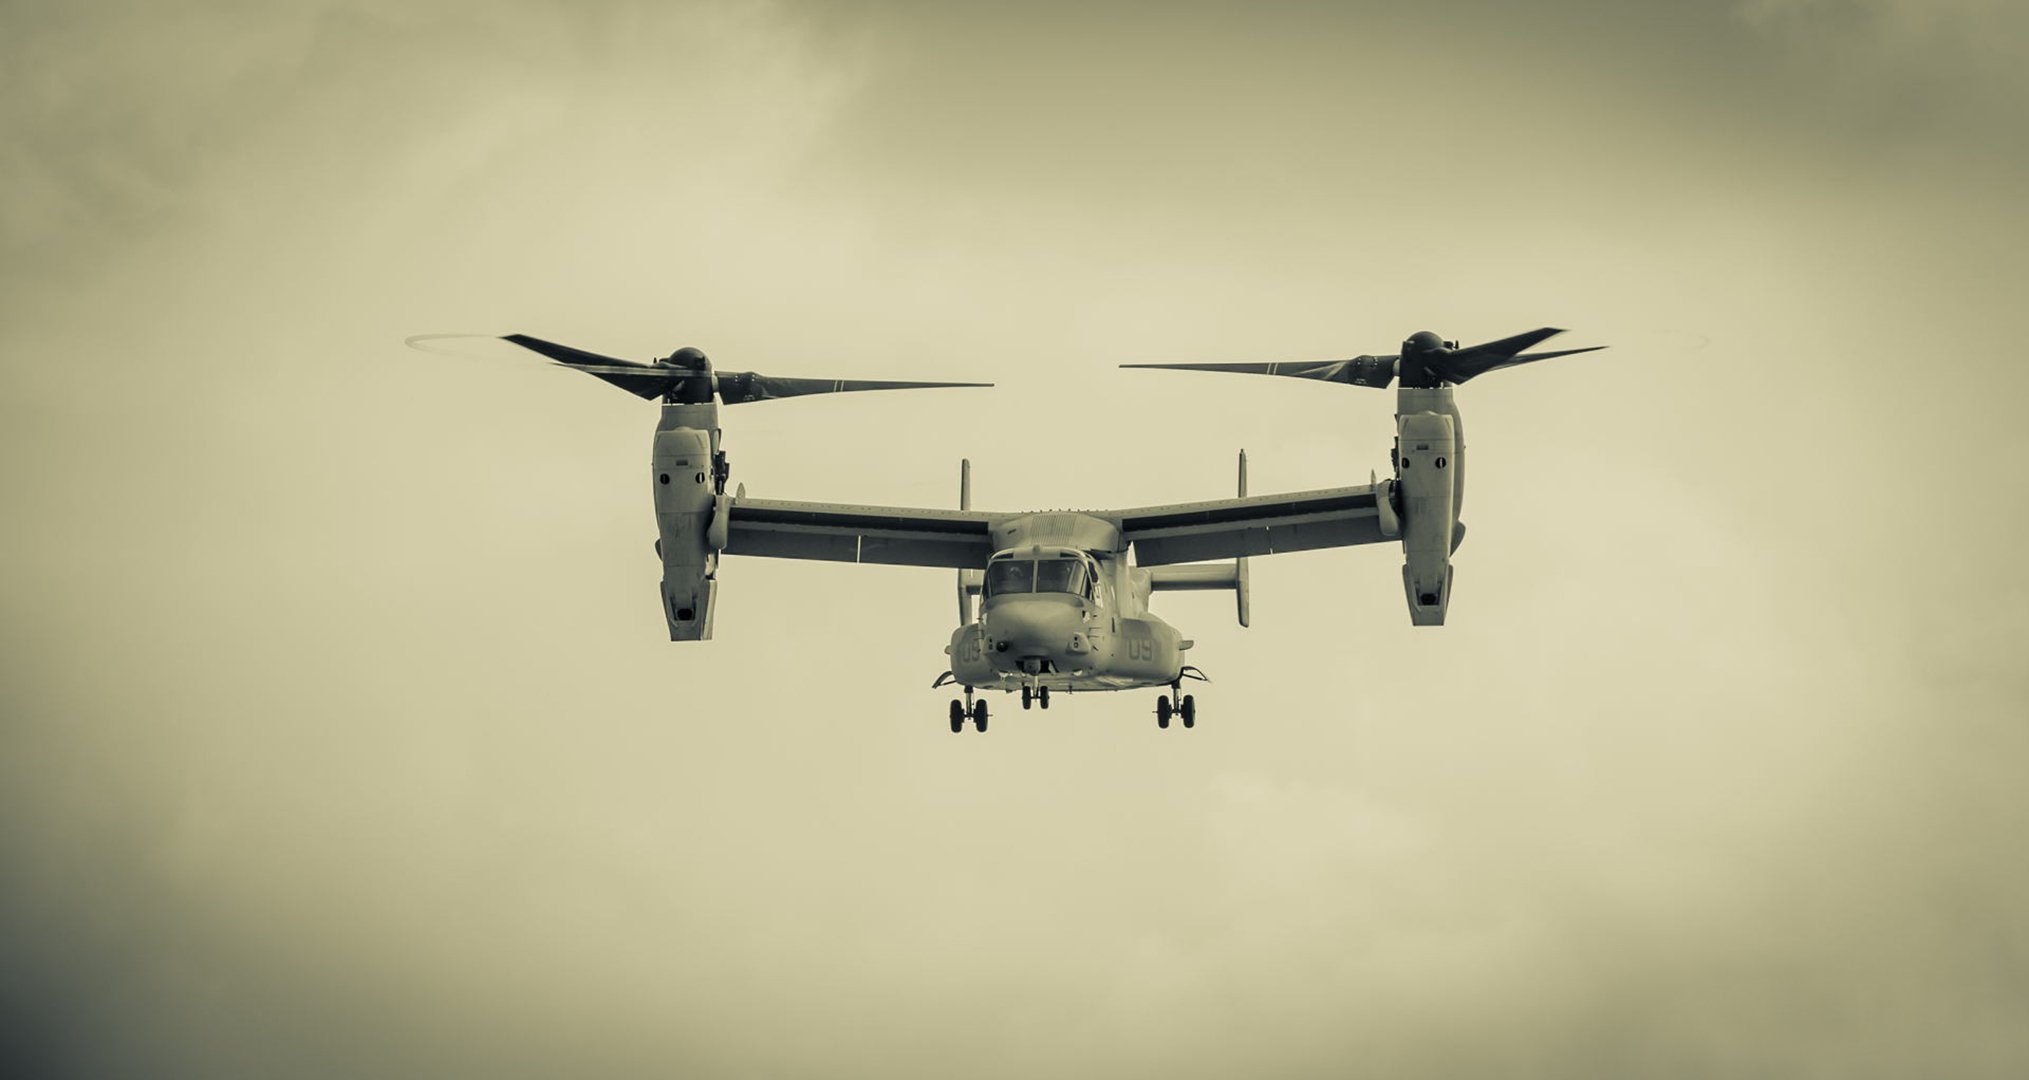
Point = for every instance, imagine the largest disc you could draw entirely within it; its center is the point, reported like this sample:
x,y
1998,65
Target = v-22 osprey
x,y
1058,601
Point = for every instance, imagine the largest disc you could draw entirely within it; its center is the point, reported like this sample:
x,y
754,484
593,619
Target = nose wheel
x,y
970,709
1170,705
1037,696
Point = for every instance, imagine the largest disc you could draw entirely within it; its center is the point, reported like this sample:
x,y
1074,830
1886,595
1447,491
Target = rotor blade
x,y
1507,352
742,387
1509,346
564,354
431,343
1484,365
1328,370
624,369
1526,358
641,380
1359,371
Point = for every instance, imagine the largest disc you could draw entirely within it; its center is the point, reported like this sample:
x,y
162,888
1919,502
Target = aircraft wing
x,y
836,532
1252,525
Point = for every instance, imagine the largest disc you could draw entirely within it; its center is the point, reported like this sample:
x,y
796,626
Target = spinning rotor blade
x,y
564,354
741,387
1425,361
1507,352
1509,346
1377,371
641,380
685,365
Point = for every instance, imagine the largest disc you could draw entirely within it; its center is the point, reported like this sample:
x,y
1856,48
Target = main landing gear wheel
x,y
979,716
1178,704
957,716
1028,697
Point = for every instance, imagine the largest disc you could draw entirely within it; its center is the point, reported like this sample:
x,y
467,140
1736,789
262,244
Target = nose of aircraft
x,y
1033,629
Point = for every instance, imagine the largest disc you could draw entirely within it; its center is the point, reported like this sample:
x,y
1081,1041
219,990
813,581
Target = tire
x,y
979,715
1162,712
957,716
1043,696
1028,697
1189,711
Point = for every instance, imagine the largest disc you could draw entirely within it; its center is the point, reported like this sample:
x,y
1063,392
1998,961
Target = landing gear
x,y
1170,705
961,711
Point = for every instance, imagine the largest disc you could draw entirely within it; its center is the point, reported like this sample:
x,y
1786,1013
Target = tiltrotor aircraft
x,y
1062,596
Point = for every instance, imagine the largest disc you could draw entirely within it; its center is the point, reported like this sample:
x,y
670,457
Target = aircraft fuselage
x,y
1061,609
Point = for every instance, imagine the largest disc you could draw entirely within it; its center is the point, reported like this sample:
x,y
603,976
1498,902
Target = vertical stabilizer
x,y
1240,593
970,582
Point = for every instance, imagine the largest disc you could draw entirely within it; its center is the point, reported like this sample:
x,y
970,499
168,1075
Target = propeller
x,y
1426,360
686,376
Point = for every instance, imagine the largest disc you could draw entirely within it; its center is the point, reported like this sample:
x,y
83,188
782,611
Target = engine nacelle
x,y
684,505
1424,460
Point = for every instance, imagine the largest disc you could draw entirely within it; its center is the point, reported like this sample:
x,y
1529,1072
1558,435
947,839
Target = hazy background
x,y
340,734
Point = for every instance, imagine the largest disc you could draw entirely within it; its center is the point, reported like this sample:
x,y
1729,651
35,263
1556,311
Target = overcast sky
x,y
341,737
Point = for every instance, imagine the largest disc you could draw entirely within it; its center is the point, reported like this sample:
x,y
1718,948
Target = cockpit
x,y
1041,570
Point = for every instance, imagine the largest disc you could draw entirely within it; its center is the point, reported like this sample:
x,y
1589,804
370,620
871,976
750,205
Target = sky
x,y
341,737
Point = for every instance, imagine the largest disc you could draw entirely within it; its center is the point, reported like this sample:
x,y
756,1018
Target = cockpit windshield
x,y
1060,575
1063,574
1012,576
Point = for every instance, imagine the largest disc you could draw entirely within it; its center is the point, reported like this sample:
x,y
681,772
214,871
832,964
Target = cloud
x,y
1944,76
341,737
